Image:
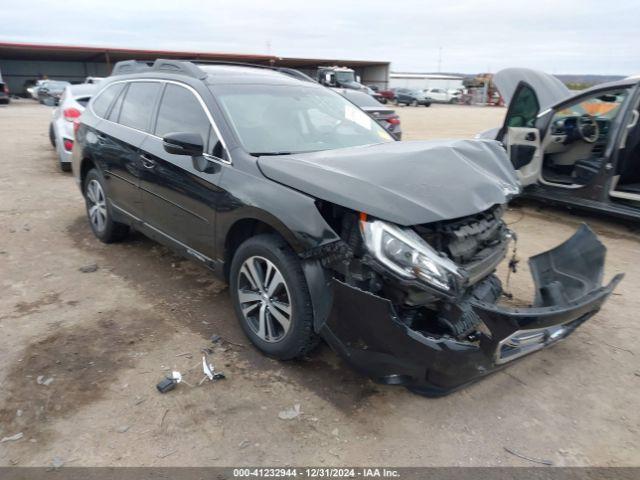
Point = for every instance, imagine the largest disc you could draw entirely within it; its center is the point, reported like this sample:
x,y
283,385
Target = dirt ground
x,y
82,352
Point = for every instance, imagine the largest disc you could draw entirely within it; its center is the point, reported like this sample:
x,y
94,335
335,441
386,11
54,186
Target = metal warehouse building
x,y
22,64
421,81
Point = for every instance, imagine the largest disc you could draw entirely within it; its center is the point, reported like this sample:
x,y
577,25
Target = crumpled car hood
x,y
549,89
407,183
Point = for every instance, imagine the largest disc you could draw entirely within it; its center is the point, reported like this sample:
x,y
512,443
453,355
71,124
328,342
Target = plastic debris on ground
x,y
209,370
89,268
42,381
12,438
169,382
290,413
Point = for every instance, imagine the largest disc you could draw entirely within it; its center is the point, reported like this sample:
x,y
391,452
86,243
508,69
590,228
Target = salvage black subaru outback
x,y
323,225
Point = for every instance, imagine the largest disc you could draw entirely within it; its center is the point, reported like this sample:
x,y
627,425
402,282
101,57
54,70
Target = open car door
x,y
527,92
520,135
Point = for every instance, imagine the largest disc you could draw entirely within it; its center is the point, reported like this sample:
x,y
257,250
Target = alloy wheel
x,y
264,299
96,205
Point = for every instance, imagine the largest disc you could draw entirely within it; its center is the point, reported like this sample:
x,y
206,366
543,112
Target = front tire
x,y
99,210
271,298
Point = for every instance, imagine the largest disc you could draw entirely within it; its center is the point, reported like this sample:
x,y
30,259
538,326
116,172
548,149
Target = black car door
x,y
179,200
116,151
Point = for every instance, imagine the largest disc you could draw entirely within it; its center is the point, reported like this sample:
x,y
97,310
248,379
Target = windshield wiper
x,y
272,154
269,154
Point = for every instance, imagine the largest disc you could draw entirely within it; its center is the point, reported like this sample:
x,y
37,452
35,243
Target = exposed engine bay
x,y
475,245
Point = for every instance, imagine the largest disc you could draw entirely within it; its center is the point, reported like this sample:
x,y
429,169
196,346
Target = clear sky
x,y
558,36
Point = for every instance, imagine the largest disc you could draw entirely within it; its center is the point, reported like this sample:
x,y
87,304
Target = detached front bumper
x,y
365,329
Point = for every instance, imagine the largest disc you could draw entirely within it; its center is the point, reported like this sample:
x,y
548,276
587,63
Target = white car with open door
x,y
573,149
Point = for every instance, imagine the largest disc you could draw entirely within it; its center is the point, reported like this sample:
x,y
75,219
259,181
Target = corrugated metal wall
x,y
16,72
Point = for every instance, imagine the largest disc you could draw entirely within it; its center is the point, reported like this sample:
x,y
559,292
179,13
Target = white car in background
x,y
72,104
440,95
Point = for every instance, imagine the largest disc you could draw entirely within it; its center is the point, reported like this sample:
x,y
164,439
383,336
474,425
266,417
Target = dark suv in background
x,y
411,97
323,225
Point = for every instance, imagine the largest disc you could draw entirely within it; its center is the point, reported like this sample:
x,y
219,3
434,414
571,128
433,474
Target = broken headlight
x,y
402,251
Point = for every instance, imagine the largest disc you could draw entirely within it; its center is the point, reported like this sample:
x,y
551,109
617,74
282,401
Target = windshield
x,y
282,119
345,77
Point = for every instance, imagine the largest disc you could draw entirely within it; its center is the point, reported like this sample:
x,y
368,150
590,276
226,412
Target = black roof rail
x,y
185,67
292,72
230,62
160,65
190,67
130,66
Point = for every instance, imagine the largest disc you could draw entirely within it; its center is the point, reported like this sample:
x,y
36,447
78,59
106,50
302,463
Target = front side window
x,y
102,102
590,115
279,119
138,104
180,111
603,105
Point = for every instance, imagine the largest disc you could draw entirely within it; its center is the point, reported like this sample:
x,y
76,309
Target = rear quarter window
x,y
83,101
103,101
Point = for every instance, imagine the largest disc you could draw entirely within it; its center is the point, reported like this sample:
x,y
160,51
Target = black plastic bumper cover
x,y
365,329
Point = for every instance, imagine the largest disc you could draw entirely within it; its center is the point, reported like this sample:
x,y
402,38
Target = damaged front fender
x,y
368,332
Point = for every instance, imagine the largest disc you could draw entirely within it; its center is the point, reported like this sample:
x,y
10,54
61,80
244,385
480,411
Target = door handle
x,y
147,162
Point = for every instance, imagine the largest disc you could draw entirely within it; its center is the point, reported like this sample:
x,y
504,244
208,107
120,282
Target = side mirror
x,y
330,79
183,143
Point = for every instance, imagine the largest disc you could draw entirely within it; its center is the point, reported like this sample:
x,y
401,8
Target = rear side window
x,y
180,111
103,100
138,104
82,101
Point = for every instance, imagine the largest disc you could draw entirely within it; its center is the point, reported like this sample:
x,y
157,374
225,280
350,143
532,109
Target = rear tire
x,y
52,136
265,273
99,211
